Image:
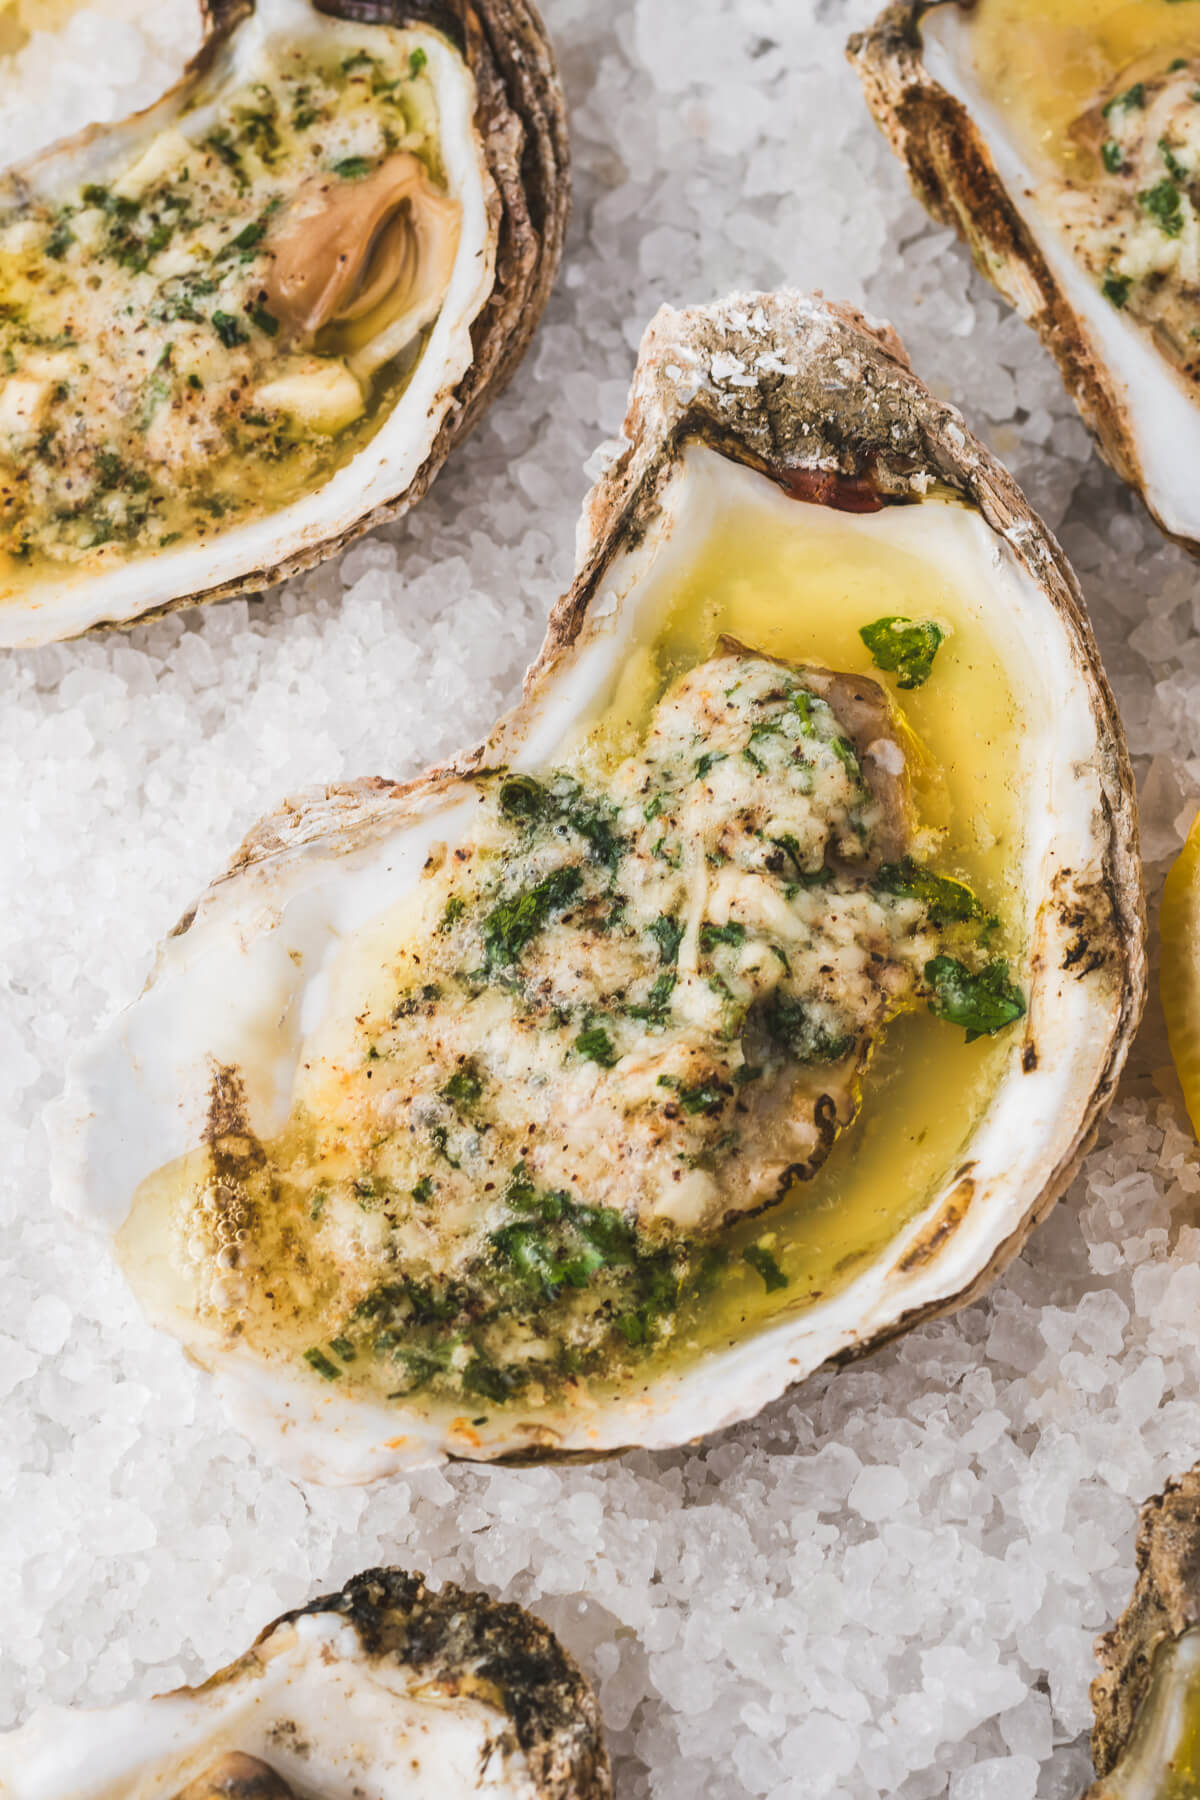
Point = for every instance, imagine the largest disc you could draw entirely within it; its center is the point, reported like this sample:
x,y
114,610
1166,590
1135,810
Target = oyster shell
x,y
335,237
1077,242
799,419
385,1688
1146,1699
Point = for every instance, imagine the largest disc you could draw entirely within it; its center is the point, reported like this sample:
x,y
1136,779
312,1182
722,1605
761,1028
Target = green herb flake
x,y
653,1011
229,329
423,1190
1115,289
416,62
59,241
799,1031
1112,156
667,933
1163,203
709,761
761,1260
696,1097
903,647
514,923
464,1086
1174,167
352,168
947,902
711,935
317,1359
456,906
595,1044
767,728
981,1003
1131,99
524,799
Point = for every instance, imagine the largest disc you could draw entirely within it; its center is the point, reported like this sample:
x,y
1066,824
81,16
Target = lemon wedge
x,y
1179,980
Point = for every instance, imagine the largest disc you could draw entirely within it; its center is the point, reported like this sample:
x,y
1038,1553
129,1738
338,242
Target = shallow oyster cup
x,y
793,405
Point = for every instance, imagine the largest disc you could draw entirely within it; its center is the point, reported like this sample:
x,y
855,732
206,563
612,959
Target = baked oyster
x,y
555,1101
1063,144
251,322
1146,1700
385,1688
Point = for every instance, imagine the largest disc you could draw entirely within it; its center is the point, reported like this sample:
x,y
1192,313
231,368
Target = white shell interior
x,y
230,989
362,1726
64,603
1163,416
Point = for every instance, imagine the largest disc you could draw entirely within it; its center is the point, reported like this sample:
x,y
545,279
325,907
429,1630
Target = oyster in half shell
x,y
385,1689
246,325
744,998
1063,144
1146,1700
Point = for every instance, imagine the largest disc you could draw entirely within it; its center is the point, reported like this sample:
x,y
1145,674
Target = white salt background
x,y
890,1582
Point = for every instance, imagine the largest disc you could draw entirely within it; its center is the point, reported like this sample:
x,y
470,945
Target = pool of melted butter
x,y
1042,63
801,594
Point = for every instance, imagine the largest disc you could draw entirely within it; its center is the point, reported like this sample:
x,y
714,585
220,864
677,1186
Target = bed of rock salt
x,y
887,1585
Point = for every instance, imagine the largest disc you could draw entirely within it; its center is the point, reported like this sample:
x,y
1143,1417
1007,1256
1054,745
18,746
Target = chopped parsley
x,y
903,647
1175,168
947,902
514,923
265,320
708,762
796,1028
1131,99
982,1003
464,1086
1163,203
653,1010
1112,156
668,935
352,168
711,935
416,62
1115,289
317,1359
229,329
761,1260
59,241
595,1044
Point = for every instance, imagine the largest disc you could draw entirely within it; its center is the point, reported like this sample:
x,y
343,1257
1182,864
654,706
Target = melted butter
x,y
800,594
803,595
1042,63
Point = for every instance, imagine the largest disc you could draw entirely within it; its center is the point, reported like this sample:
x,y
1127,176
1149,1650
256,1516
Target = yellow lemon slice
x,y
1179,980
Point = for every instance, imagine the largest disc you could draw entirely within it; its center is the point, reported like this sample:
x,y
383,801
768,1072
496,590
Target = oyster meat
x,y
250,323
1146,1699
1064,145
385,1688
518,1110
